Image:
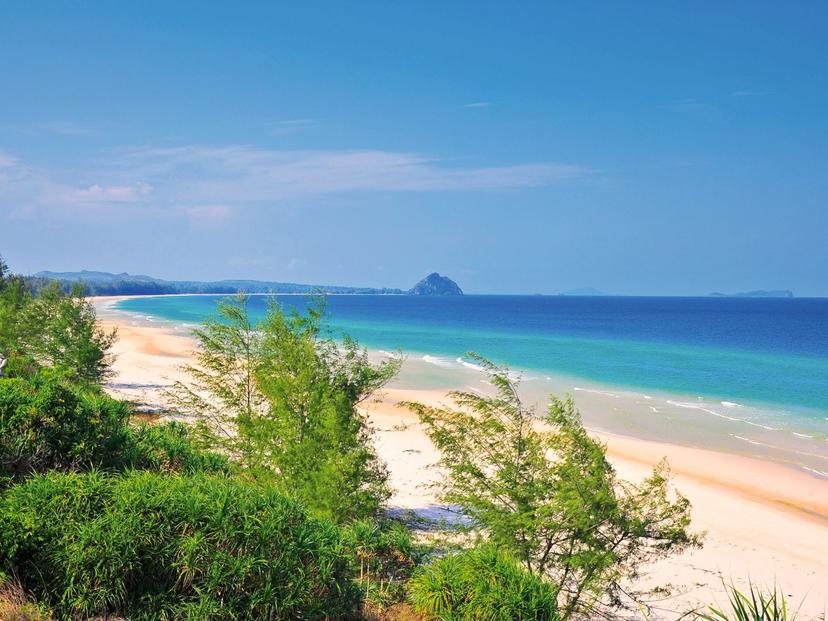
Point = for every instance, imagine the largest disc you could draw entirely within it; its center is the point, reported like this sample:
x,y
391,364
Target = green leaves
x,y
541,489
481,585
280,398
49,423
61,330
150,546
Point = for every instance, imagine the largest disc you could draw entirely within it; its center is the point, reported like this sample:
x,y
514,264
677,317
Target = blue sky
x,y
639,148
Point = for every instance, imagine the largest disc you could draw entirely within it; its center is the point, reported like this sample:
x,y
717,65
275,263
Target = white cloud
x,y
244,173
206,183
478,104
109,193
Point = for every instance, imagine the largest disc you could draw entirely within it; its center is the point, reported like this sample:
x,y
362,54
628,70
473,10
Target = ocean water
x,y
762,363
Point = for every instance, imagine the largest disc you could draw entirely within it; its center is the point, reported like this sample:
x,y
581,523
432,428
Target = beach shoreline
x,y
769,431
763,519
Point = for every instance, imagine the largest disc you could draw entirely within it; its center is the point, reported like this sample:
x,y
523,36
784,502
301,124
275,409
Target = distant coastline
x,y
124,284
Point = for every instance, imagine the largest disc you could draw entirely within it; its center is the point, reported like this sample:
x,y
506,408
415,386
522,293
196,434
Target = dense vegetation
x,y
482,584
269,504
150,546
49,423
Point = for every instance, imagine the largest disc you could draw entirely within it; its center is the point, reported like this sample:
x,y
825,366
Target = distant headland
x,y
108,283
434,284
780,293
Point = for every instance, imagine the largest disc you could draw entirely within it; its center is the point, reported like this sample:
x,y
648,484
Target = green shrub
x,y
167,447
383,557
149,546
481,585
281,399
48,424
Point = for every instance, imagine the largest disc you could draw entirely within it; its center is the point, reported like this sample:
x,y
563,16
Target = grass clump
x,y
383,556
481,584
14,606
167,546
756,605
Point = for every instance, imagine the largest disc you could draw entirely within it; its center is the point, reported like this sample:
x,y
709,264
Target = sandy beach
x,y
762,519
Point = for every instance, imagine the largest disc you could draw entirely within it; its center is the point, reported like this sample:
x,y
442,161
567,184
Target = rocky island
x,y
434,284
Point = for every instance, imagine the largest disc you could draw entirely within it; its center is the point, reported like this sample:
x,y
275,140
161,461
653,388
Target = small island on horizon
x,y
760,293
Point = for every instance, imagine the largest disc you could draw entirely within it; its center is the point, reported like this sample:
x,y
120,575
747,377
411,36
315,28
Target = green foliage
x,y
14,297
166,447
384,556
147,546
54,328
281,399
481,584
543,490
61,330
49,423
311,433
46,423
755,605
222,393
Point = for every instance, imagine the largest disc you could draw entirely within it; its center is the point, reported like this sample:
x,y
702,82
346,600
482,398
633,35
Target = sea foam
x,y
470,365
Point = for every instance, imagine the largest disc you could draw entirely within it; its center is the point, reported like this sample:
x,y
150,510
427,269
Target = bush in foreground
x,y
481,585
150,546
47,423
383,556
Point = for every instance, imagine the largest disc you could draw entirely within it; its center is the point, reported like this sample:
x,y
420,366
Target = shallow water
x,y
746,375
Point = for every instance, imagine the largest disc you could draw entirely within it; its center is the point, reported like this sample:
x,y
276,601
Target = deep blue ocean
x,y
767,351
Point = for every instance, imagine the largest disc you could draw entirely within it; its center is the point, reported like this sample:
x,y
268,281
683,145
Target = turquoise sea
x,y
761,362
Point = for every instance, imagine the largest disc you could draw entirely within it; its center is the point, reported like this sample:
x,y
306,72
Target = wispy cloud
x,y
207,214
206,183
694,106
108,193
6,160
65,128
253,174
478,104
290,126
